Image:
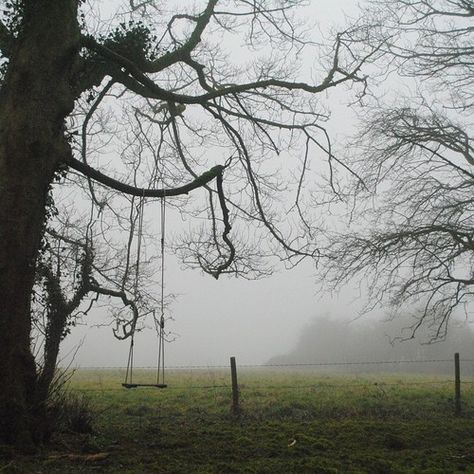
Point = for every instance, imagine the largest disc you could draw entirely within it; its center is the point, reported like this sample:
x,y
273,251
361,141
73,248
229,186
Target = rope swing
x,y
159,320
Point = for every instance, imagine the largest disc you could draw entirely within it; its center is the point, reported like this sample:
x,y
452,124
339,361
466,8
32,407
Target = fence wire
x,y
318,385
296,364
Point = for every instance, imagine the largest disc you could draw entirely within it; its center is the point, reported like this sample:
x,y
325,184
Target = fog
x,y
332,341
251,320
213,320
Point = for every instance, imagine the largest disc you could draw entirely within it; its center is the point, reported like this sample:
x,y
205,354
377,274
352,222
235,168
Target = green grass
x,y
293,422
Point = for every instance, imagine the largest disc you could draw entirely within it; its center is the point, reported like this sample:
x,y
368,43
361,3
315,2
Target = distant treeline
x,y
329,340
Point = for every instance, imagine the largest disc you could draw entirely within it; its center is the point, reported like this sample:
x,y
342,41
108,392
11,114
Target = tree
x,y
75,269
415,158
207,115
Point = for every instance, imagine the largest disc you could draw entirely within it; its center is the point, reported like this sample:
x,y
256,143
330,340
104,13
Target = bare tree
x,y
213,115
77,269
413,218
430,41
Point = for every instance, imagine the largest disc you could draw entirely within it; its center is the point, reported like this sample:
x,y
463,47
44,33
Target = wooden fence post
x,y
457,385
235,387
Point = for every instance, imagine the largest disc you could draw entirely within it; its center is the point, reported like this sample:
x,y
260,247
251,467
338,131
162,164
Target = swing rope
x,y
129,372
159,322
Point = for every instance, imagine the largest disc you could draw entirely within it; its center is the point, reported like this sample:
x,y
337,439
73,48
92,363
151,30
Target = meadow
x,y
290,422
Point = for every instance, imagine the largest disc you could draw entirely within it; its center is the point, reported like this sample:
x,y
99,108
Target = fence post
x,y
457,385
235,387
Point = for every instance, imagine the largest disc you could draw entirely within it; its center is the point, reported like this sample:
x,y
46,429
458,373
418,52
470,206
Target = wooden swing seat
x,y
135,385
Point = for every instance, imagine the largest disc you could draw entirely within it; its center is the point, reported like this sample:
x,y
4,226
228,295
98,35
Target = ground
x,y
291,422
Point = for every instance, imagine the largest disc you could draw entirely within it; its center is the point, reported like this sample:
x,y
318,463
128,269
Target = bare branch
x,y
100,177
183,53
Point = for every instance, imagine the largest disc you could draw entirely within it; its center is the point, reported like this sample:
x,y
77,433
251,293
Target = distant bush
x,y
329,340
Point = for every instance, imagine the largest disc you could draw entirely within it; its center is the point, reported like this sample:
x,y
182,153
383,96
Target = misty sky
x,y
252,320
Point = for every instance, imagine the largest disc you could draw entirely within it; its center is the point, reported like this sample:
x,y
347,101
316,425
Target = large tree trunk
x,y
35,98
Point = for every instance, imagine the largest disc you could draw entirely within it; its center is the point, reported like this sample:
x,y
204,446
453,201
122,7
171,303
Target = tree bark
x,y
35,98
57,320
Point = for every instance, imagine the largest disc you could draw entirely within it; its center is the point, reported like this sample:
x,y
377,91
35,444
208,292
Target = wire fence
x,y
289,365
272,385
228,387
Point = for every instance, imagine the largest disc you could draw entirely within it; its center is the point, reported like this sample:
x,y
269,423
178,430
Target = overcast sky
x,y
213,320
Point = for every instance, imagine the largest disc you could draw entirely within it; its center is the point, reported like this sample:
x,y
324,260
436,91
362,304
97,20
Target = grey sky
x,y
253,320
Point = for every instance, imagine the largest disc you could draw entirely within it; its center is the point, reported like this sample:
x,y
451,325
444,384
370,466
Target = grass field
x,y
291,422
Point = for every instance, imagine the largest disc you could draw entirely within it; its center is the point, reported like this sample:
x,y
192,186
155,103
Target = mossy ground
x,y
294,422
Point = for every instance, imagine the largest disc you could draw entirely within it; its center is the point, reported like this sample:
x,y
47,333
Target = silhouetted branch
x,y
100,177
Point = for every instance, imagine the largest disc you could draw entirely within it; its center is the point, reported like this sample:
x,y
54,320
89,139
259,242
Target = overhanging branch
x,y
225,234
127,72
100,177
